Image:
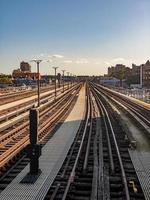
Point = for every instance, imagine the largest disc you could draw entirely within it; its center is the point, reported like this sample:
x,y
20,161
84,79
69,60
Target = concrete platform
x,y
142,103
25,100
141,161
19,117
53,155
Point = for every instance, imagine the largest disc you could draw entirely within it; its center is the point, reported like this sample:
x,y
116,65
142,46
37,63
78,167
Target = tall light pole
x,y
63,79
37,61
68,79
55,68
141,78
71,79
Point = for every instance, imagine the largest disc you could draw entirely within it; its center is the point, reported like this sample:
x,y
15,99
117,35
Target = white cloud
x,y
49,60
68,61
118,60
114,61
97,63
57,56
42,55
107,63
82,61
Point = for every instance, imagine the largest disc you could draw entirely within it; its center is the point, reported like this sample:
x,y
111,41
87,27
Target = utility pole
x,y
38,80
55,68
68,79
141,74
63,79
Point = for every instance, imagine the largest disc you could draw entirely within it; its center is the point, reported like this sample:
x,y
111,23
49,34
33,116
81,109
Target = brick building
x,y
132,75
120,72
25,72
25,67
146,74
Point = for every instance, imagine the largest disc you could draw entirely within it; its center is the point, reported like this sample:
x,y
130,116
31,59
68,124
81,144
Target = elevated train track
x,y
10,97
14,96
138,112
14,140
25,102
123,182
98,163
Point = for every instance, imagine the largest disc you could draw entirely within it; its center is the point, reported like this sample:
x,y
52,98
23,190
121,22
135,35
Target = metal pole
x,y
38,80
68,79
55,68
33,149
141,76
73,79
63,79
55,83
38,84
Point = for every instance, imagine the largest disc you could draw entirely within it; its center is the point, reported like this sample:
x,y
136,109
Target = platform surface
x,y
53,155
137,101
22,116
24,100
141,161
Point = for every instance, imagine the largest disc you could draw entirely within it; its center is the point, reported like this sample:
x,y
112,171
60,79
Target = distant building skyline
x,y
138,74
82,37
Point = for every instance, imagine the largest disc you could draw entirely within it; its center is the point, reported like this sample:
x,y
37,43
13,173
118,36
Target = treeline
x,y
5,79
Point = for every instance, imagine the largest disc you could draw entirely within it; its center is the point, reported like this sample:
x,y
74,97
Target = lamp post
x,y
73,79
63,79
141,78
37,61
55,68
68,79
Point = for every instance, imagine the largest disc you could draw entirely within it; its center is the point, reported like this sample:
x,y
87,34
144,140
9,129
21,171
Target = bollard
x,y
33,149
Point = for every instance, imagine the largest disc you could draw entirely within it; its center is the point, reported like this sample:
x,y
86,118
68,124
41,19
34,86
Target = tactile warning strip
x,y
141,161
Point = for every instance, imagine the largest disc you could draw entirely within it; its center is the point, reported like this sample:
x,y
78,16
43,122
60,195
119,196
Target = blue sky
x,y
81,36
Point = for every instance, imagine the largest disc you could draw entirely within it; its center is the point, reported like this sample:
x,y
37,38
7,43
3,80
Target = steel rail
x,y
69,156
24,141
95,179
17,119
7,135
118,152
136,106
5,115
89,137
107,132
133,108
123,96
72,174
20,94
144,122
62,117
44,108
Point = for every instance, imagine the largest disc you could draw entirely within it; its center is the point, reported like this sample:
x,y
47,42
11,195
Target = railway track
x,y
10,97
74,179
98,165
139,114
14,141
22,106
118,170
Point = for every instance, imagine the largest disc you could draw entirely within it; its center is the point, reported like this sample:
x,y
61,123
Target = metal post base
x,y
31,178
